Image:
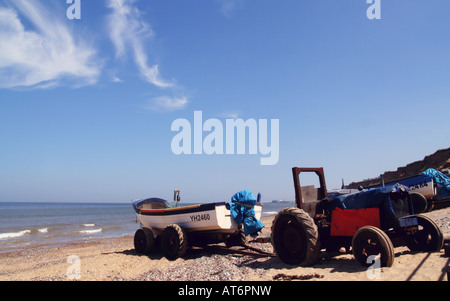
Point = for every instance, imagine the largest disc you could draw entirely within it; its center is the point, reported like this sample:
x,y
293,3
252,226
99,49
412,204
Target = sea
x,y
24,225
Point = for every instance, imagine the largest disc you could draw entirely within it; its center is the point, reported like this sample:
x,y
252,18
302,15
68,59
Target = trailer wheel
x,y
144,241
295,237
419,202
174,242
237,239
372,241
428,237
430,206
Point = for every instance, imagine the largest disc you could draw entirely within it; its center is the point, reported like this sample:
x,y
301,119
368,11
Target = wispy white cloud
x,y
45,53
166,103
232,115
116,79
227,7
129,32
39,50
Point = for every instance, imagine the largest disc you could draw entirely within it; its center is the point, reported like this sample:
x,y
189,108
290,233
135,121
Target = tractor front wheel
x,y
370,242
428,237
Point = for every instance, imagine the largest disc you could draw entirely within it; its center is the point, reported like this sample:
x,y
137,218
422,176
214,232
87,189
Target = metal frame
x,y
296,171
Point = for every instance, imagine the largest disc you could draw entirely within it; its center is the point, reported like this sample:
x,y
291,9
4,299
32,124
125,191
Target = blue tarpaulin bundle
x,y
243,212
441,179
369,198
393,202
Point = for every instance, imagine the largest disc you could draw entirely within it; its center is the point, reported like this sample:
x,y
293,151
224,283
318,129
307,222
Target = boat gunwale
x,y
183,210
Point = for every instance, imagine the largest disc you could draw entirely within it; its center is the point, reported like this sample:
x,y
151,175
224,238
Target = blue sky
x,y
86,106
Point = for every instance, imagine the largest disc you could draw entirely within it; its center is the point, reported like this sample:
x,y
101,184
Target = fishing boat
x,y
422,188
175,224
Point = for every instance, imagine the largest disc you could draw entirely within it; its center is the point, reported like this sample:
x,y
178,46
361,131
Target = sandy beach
x,y
115,259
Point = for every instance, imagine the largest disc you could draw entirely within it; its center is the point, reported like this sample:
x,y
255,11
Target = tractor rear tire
x,y
428,238
174,243
144,241
295,238
371,241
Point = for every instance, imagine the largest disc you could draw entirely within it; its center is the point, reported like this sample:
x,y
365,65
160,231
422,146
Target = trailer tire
x,y
144,241
295,237
237,239
420,203
430,205
370,240
174,242
428,238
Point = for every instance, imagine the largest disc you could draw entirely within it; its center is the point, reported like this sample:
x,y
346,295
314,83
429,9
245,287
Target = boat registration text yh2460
x,y
200,217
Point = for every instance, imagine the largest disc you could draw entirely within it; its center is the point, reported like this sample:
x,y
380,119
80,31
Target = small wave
x,y
43,230
91,231
14,234
88,225
268,213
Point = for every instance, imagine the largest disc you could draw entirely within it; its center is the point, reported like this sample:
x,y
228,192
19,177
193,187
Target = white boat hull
x,y
214,217
419,184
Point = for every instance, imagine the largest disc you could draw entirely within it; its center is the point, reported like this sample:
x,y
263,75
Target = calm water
x,y
26,224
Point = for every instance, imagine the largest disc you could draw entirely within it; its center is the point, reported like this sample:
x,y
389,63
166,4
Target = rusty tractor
x,y
369,223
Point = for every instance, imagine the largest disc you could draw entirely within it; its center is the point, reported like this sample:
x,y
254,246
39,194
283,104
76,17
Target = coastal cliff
x,y
439,160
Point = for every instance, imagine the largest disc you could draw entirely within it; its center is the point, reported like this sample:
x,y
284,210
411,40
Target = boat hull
x,y
420,184
213,217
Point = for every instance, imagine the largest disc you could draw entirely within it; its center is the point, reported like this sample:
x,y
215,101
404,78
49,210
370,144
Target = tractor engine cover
x,y
379,207
347,222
